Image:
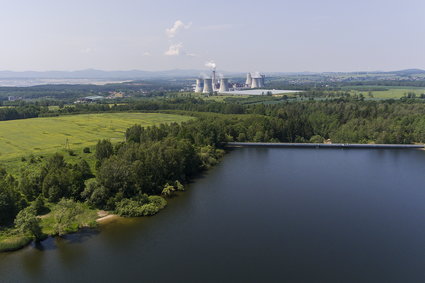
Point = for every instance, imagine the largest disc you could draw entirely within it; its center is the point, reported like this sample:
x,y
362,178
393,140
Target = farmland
x,y
47,135
387,92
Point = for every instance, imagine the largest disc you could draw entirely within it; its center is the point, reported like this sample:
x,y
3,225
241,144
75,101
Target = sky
x,y
266,35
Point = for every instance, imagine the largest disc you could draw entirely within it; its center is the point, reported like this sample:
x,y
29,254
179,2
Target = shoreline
x,y
15,243
104,219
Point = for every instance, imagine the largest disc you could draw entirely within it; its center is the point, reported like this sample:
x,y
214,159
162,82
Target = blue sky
x,y
267,35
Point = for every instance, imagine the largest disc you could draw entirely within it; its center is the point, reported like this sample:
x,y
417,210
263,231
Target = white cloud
x,y
171,32
175,50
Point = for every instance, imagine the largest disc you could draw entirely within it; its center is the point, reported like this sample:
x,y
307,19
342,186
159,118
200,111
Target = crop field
x,y
47,135
388,92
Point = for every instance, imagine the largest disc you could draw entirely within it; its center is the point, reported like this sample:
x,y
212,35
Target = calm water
x,y
262,215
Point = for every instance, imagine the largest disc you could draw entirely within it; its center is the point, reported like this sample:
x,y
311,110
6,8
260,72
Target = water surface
x,y
262,215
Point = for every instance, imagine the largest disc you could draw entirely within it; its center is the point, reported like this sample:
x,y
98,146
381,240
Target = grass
x,y
11,240
48,135
388,92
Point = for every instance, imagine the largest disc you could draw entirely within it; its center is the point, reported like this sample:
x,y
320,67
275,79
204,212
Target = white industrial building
x,y
212,84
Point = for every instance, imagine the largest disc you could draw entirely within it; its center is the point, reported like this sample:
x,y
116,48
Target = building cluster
x,y
213,84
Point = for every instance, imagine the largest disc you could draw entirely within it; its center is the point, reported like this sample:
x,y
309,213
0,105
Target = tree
x,y
39,206
133,133
27,223
104,149
65,215
10,200
179,186
168,190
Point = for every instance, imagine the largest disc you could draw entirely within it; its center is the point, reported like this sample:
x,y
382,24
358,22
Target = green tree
x,y
27,223
179,186
168,190
64,215
39,206
104,149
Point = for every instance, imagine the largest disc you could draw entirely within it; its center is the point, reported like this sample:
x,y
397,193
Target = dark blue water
x,y
262,215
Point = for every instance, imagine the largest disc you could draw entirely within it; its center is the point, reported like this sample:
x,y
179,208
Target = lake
x,y
261,215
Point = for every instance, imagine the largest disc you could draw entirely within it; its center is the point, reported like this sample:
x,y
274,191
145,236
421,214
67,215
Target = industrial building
x,y
212,84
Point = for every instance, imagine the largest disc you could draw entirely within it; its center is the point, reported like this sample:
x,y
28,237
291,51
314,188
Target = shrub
x,y
135,208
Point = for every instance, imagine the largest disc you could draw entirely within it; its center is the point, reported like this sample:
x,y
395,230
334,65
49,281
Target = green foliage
x,y
11,202
65,215
104,149
68,216
168,190
39,206
179,186
143,207
316,139
14,242
27,223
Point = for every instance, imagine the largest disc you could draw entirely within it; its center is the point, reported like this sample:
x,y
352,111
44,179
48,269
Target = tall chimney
x,y
213,79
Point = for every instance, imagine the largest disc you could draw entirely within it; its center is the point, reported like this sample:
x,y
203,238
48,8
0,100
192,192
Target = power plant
x,y
199,85
224,85
211,84
208,86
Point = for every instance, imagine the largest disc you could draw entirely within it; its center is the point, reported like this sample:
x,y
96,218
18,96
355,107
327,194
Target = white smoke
x,y
171,32
211,64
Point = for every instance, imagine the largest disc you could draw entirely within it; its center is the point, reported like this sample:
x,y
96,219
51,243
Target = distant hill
x,y
408,72
99,74
176,73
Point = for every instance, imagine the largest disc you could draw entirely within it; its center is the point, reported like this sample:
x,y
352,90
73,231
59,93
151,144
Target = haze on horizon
x,y
271,35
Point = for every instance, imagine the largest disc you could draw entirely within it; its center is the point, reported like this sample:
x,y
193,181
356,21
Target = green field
x,y
47,135
388,92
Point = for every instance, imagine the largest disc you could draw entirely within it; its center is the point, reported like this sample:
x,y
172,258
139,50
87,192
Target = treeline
x,y
341,120
21,112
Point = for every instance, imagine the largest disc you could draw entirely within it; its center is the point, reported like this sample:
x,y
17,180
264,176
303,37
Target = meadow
x,y
388,92
36,136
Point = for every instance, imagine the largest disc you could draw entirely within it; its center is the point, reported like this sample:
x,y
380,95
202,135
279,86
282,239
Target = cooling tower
x,y
256,83
224,85
263,80
208,88
248,81
199,85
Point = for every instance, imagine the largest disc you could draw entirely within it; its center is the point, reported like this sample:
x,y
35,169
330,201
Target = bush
x,y
135,208
86,150
71,152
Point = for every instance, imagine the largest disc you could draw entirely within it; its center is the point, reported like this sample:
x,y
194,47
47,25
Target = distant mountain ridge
x,y
176,73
